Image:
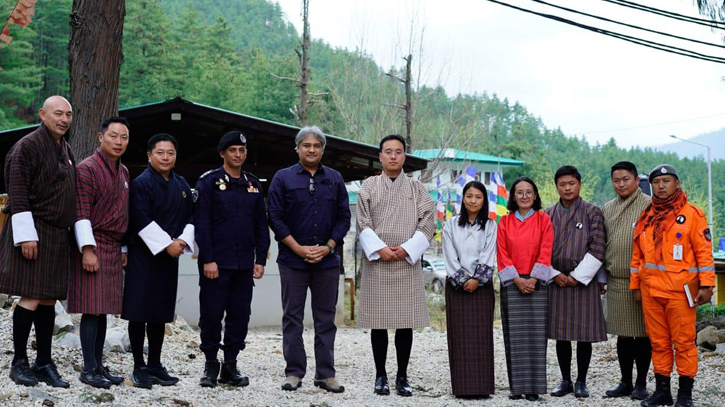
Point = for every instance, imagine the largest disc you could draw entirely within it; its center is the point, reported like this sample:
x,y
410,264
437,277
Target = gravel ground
x,y
262,361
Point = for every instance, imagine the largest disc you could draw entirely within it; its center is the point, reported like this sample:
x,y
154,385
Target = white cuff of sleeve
x,y
587,269
23,228
155,238
188,236
371,243
124,249
415,246
84,234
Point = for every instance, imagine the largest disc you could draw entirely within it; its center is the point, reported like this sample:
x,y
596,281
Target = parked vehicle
x,y
434,274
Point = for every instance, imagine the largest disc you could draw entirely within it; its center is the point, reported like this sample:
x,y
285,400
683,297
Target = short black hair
x,y
482,216
567,170
624,165
114,119
157,138
392,137
512,206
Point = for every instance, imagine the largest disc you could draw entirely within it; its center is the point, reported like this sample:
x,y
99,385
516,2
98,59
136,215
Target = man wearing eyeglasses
x,y
309,215
233,238
395,219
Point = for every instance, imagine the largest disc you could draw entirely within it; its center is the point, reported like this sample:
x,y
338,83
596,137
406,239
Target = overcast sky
x,y
583,82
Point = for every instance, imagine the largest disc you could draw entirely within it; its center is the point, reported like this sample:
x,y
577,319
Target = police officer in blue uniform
x,y
233,238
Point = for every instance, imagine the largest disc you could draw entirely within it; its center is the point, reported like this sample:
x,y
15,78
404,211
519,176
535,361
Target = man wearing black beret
x,y
233,239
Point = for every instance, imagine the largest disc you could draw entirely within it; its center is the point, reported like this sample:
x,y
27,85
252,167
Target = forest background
x,y
229,53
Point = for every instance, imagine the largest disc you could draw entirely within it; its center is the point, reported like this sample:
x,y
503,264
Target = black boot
x,y
96,379
230,375
110,376
21,374
49,375
684,394
662,395
211,372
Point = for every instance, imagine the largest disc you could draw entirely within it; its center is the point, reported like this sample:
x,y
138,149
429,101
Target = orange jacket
x,y
667,278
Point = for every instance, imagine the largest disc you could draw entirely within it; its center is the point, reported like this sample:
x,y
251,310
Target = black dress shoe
x,y
402,387
111,377
532,397
211,372
581,390
619,390
231,376
96,379
49,375
381,385
140,378
515,397
565,387
159,375
639,392
21,374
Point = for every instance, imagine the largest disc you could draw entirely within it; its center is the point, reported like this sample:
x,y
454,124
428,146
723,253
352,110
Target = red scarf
x,y
661,213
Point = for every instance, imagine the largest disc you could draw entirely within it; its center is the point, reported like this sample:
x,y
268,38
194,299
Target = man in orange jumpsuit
x,y
672,253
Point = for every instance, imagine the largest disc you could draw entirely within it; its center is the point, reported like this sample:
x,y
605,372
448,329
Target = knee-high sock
x,y
625,353
89,331
583,357
44,323
101,338
379,340
403,346
155,333
136,335
563,356
22,323
643,356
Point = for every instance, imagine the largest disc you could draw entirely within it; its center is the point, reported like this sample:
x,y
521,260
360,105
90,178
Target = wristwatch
x,y
329,246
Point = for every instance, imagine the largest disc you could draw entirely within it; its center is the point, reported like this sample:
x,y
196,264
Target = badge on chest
x,y
677,248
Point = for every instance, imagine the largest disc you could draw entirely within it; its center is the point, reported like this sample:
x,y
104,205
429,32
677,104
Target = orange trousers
x,y
671,322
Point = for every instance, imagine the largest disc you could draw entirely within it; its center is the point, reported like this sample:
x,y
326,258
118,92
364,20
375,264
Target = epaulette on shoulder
x,y
252,175
206,173
697,210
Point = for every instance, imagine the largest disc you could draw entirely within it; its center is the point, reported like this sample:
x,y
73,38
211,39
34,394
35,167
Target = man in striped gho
x,y
35,245
95,287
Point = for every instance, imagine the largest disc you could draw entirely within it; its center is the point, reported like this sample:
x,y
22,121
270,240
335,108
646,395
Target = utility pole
x,y
408,106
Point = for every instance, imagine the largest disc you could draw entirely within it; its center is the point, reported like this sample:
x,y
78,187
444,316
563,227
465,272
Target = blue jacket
x,y
229,220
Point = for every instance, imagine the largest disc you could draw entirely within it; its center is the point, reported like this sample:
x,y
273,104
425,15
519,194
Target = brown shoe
x,y
330,384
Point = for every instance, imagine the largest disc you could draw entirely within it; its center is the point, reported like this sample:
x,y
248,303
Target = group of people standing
x,y
553,264
86,233
75,229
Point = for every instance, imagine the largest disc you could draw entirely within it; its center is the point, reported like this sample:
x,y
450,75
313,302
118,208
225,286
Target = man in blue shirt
x,y
233,239
309,214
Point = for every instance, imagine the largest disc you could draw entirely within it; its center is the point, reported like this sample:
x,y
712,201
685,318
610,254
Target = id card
x,y
677,252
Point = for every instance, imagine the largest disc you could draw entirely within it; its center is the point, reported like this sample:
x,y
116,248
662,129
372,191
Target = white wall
x,y
266,300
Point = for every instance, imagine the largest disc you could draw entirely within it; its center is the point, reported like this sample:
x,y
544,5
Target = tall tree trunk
x,y
304,62
94,58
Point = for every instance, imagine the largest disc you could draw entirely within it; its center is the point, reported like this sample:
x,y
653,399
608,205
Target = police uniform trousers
x,y
323,285
231,293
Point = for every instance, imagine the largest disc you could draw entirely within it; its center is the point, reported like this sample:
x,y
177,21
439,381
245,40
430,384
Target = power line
x,y
669,14
653,125
627,25
623,37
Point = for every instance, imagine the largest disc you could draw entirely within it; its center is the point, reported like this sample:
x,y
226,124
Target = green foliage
x,y
705,311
